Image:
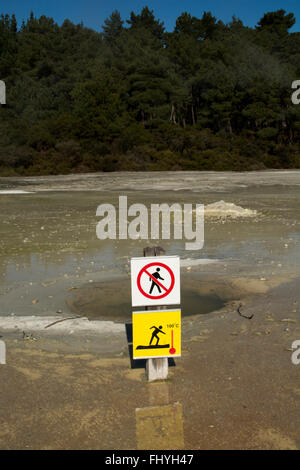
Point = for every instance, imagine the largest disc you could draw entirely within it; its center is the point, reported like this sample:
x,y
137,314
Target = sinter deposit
x,y
227,209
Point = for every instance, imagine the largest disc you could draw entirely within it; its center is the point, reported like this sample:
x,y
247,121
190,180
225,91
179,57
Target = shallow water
x,y
110,301
48,244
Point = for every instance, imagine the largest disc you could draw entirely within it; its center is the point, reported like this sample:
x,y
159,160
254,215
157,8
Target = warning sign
x,y
156,333
155,281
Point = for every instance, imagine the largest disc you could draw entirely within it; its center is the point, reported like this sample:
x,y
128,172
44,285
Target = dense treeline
x,y
207,96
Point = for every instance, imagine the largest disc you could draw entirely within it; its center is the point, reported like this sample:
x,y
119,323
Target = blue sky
x,y
94,12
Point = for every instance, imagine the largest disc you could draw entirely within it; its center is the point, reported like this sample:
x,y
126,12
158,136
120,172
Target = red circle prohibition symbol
x,y
144,270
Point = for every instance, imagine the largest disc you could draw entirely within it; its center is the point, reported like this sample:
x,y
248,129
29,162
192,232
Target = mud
x,y
74,385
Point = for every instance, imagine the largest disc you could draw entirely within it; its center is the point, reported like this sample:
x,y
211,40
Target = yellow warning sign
x,y
156,333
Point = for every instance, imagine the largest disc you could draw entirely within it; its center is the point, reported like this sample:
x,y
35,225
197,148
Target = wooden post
x,y
156,369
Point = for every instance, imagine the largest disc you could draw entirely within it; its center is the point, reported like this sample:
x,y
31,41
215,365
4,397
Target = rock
x,y
28,336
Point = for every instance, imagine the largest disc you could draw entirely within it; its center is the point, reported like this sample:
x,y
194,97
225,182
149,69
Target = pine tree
x,y
113,26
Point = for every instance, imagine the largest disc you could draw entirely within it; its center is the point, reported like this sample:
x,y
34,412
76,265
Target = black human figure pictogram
x,y
155,333
157,276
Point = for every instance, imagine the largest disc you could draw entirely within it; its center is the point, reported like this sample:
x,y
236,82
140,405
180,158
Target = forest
x,y
135,97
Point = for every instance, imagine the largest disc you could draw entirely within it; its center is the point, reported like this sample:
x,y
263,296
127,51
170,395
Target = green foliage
x,y
146,21
277,21
207,96
113,26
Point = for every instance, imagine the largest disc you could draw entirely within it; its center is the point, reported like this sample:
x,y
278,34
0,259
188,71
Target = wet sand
x,y
234,387
74,385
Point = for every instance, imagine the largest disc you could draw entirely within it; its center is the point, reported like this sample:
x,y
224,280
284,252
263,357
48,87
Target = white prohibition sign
x,y
155,281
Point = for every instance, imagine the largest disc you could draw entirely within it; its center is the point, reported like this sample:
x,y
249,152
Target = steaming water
x,y
49,248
